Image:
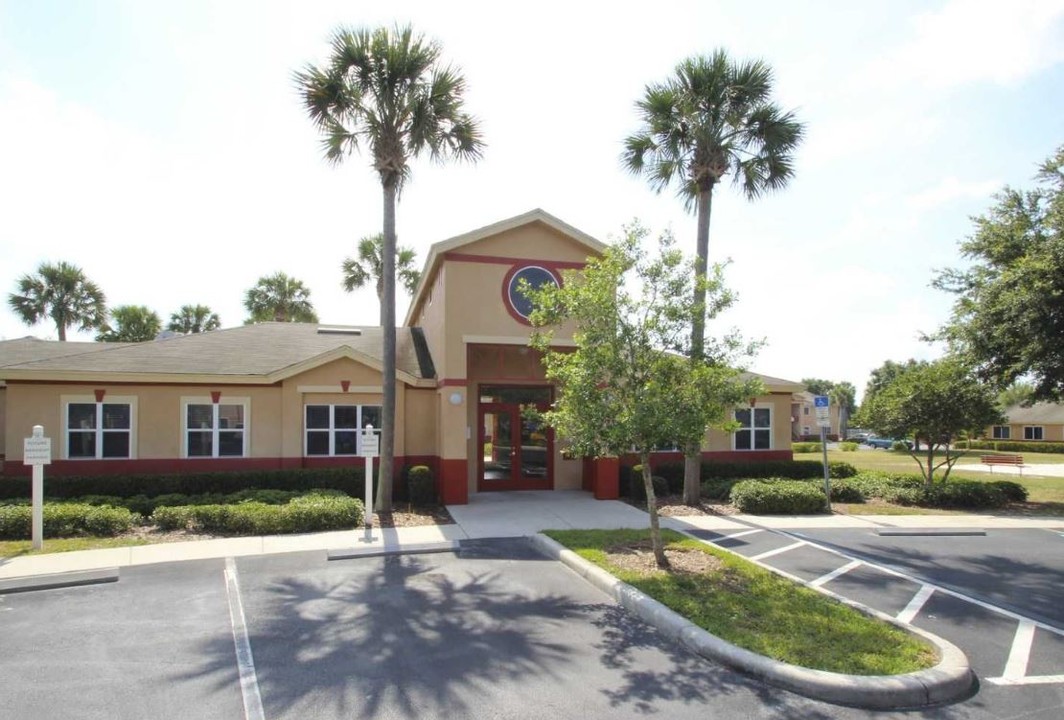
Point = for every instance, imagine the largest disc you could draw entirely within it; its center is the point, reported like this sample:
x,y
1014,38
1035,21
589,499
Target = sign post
x,y
370,449
823,419
37,451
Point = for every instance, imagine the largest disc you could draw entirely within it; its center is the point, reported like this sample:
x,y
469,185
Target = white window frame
x,y
224,400
131,400
752,429
1001,432
1041,432
332,429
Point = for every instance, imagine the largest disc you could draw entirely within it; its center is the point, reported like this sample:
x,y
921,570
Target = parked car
x,y
885,443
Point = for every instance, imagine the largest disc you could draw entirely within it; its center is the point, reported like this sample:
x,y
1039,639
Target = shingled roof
x,y
260,352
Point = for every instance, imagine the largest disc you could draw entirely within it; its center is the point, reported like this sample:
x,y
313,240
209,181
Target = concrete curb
x,y
31,583
407,549
950,680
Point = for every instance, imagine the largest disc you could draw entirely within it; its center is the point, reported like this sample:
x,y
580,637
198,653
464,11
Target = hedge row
x,y
806,447
777,495
719,477
65,520
308,513
1015,446
350,480
144,505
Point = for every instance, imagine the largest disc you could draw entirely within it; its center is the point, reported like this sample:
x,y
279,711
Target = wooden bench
x,y
992,460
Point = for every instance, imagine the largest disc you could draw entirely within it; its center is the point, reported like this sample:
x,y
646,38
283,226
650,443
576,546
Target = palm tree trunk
x,y
692,463
387,458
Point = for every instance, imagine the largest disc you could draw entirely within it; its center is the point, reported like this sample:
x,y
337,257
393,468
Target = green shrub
x,y
1012,446
844,491
65,520
790,469
421,486
965,494
718,489
778,496
1013,491
638,486
806,447
848,447
349,480
841,470
308,513
900,446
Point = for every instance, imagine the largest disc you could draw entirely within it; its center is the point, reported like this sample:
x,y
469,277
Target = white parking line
x,y
1016,667
916,604
825,579
739,534
778,551
249,684
1031,680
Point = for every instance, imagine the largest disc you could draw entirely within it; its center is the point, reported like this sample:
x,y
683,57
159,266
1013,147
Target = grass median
x,y
751,607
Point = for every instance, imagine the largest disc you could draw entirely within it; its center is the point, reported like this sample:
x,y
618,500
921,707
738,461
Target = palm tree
x,y
369,266
387,91
279,298
844,394
193,319
60,292
132,323
713,117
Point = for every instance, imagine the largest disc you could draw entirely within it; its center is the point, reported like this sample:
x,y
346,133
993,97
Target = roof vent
x,y
325,330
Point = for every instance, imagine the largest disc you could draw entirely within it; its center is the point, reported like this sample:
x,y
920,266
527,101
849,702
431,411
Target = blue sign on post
x,y
823,410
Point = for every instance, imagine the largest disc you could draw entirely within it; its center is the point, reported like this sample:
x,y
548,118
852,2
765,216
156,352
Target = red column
x,y
607,478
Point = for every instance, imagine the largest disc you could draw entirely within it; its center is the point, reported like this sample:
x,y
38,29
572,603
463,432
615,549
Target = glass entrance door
x,y
515,451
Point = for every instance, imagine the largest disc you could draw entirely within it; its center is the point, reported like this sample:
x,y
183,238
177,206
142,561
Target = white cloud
x,y
971,41
950,189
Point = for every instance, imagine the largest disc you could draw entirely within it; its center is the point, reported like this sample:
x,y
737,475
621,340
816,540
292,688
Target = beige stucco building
x,y
276,395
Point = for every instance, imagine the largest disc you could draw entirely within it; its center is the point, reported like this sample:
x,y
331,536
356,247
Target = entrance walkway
x,y
519,513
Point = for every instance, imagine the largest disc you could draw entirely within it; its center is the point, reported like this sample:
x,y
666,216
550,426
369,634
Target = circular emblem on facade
x,y
516,302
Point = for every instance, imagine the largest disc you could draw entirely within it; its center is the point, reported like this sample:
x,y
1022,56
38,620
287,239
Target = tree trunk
x,y
652,509
692,461
387,457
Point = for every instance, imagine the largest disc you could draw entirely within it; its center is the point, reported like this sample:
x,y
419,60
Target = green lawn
x,y
12,548
760,611
1046,494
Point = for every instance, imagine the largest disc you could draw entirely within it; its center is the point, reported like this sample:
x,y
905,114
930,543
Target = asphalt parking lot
x,y
996,596
492,631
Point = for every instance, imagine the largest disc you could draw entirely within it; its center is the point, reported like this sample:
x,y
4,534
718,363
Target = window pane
x,y
81,416
116,444
116,416
317,443
762,417
345,416
200,417
743,417
762,439
371,415
742,440
200,444
318,416
81,444
231,416
346,443
230,443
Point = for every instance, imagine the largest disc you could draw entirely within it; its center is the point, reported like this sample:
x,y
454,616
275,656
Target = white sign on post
x,y
371,447
823,410
37,451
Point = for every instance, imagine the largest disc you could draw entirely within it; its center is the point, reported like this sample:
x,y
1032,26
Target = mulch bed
x,y
639,558
413,516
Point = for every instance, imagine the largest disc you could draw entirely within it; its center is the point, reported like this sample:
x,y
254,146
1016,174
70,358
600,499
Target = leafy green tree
x,y
935,402
713,117
622,388
279,298
1008,317
193,319
818,386
844,394
62,293
1018,393
880,378
370,267
131,323
386,90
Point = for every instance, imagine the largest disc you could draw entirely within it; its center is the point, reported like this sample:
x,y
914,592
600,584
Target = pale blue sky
x,y
162,148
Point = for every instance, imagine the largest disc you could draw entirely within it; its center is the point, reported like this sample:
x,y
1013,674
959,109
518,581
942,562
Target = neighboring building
x,y
278,395
803,417
1041,421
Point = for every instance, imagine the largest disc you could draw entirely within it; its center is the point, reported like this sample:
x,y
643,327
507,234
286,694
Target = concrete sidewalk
x,y
488,515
